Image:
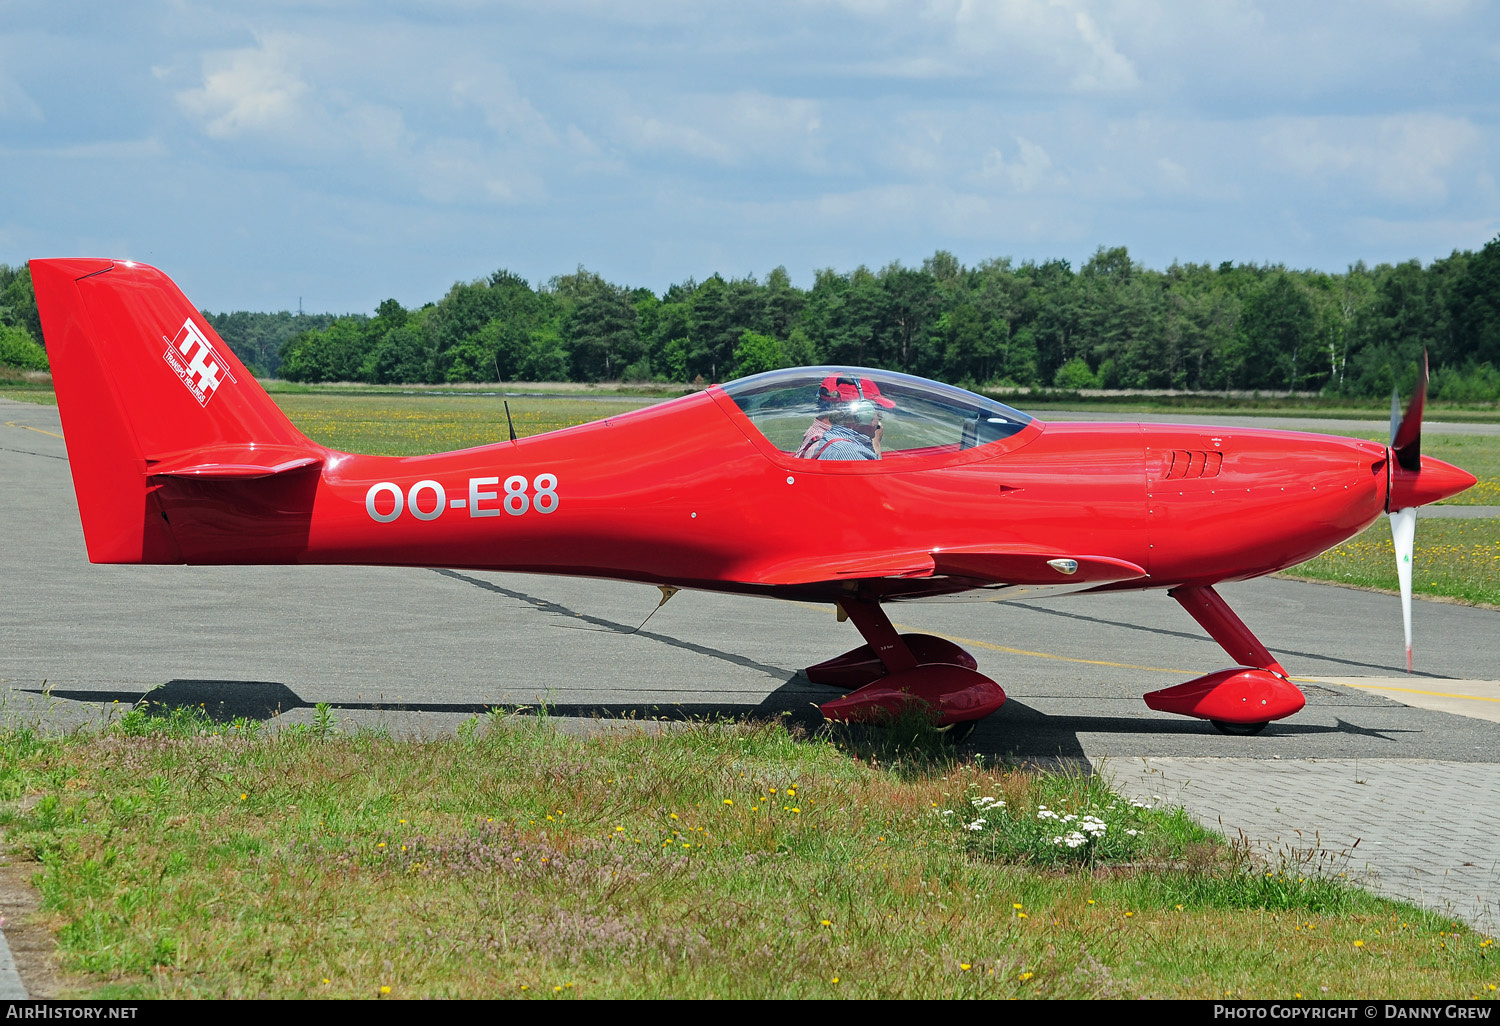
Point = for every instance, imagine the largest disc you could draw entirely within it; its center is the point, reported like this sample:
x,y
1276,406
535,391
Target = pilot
x,y
848,425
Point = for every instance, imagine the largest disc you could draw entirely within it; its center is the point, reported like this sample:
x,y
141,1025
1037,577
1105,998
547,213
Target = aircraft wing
x,y
1014,566
989,565
846,567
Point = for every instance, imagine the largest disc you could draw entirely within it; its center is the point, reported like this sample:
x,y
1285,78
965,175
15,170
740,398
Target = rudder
x,y
146,389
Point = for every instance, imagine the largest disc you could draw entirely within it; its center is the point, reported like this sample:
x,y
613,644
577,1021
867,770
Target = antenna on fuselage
x,y
507,420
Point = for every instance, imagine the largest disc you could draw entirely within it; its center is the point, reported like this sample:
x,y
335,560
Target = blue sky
x,y
345,153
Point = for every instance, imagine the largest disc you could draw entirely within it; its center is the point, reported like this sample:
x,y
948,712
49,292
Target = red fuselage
x,y
689,493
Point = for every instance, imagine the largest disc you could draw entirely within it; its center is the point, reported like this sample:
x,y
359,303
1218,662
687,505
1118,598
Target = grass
x,y
406,425
183,858
1454,558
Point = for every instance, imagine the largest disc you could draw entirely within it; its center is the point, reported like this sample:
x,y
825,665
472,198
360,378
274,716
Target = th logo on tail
x,y
203,367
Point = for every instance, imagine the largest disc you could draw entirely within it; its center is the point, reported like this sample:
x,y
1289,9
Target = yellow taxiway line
x,y
28,427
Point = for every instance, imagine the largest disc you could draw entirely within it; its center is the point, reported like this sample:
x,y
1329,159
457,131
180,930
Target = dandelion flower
x,y
1025,976
1359,944
385,990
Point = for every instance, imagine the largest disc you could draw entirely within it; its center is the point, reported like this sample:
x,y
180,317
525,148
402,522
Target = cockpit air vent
x,y
1188,464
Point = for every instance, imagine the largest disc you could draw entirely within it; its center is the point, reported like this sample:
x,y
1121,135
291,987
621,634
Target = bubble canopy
x,y
915,416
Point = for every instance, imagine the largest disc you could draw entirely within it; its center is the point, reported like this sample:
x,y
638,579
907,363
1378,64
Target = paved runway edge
x,y
1414,830
11,987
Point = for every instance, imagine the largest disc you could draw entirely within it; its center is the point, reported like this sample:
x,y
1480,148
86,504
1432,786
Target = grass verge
x,y
407,425
1453,558
181,858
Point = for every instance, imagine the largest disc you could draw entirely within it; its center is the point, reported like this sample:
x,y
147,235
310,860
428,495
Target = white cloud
x,y
15,104
935,211
104,151
1404,157
328,104
256,89
1035,44
489,88
1024,173
731,129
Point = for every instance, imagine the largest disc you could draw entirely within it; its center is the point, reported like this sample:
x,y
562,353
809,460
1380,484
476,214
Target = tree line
x,y
1111,323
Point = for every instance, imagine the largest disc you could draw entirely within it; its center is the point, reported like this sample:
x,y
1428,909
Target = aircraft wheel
x,y
1239,729
958,733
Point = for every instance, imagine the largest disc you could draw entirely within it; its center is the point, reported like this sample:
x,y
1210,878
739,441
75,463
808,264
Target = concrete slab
x,y
1417,830
1477,698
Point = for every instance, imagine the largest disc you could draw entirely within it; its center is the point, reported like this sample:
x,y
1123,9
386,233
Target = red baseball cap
x,y
839,389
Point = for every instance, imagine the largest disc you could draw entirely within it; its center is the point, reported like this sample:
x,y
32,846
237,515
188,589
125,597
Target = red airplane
x,y
179,456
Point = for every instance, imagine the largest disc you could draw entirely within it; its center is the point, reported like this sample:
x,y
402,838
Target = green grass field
x,y
181,858
409,425
1454,558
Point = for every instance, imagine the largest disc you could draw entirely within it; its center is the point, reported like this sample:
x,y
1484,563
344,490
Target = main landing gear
x,y
897,672
1239,701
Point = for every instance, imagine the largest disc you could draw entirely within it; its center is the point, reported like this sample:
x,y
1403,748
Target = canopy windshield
x,y
913,416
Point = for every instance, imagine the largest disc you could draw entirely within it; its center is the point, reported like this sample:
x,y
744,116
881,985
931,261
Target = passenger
x,y
820,426
848,426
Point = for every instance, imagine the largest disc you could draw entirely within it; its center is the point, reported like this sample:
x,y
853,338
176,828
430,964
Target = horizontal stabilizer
x,y
236,462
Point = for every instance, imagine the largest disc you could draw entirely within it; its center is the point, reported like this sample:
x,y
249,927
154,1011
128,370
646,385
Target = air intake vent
x,y
1188,464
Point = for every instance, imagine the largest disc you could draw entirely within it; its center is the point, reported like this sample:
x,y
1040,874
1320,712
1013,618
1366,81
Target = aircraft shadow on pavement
x,y
1018,733
227,700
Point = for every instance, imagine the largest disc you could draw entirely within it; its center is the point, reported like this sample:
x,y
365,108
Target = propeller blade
x,y
1406,440
1404,536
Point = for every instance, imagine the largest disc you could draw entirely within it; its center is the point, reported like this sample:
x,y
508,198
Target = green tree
x,y
757,353
18,349
1075,374
18,301
1474,304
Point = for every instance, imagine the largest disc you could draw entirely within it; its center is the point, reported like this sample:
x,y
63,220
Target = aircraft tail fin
x,y
149,393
